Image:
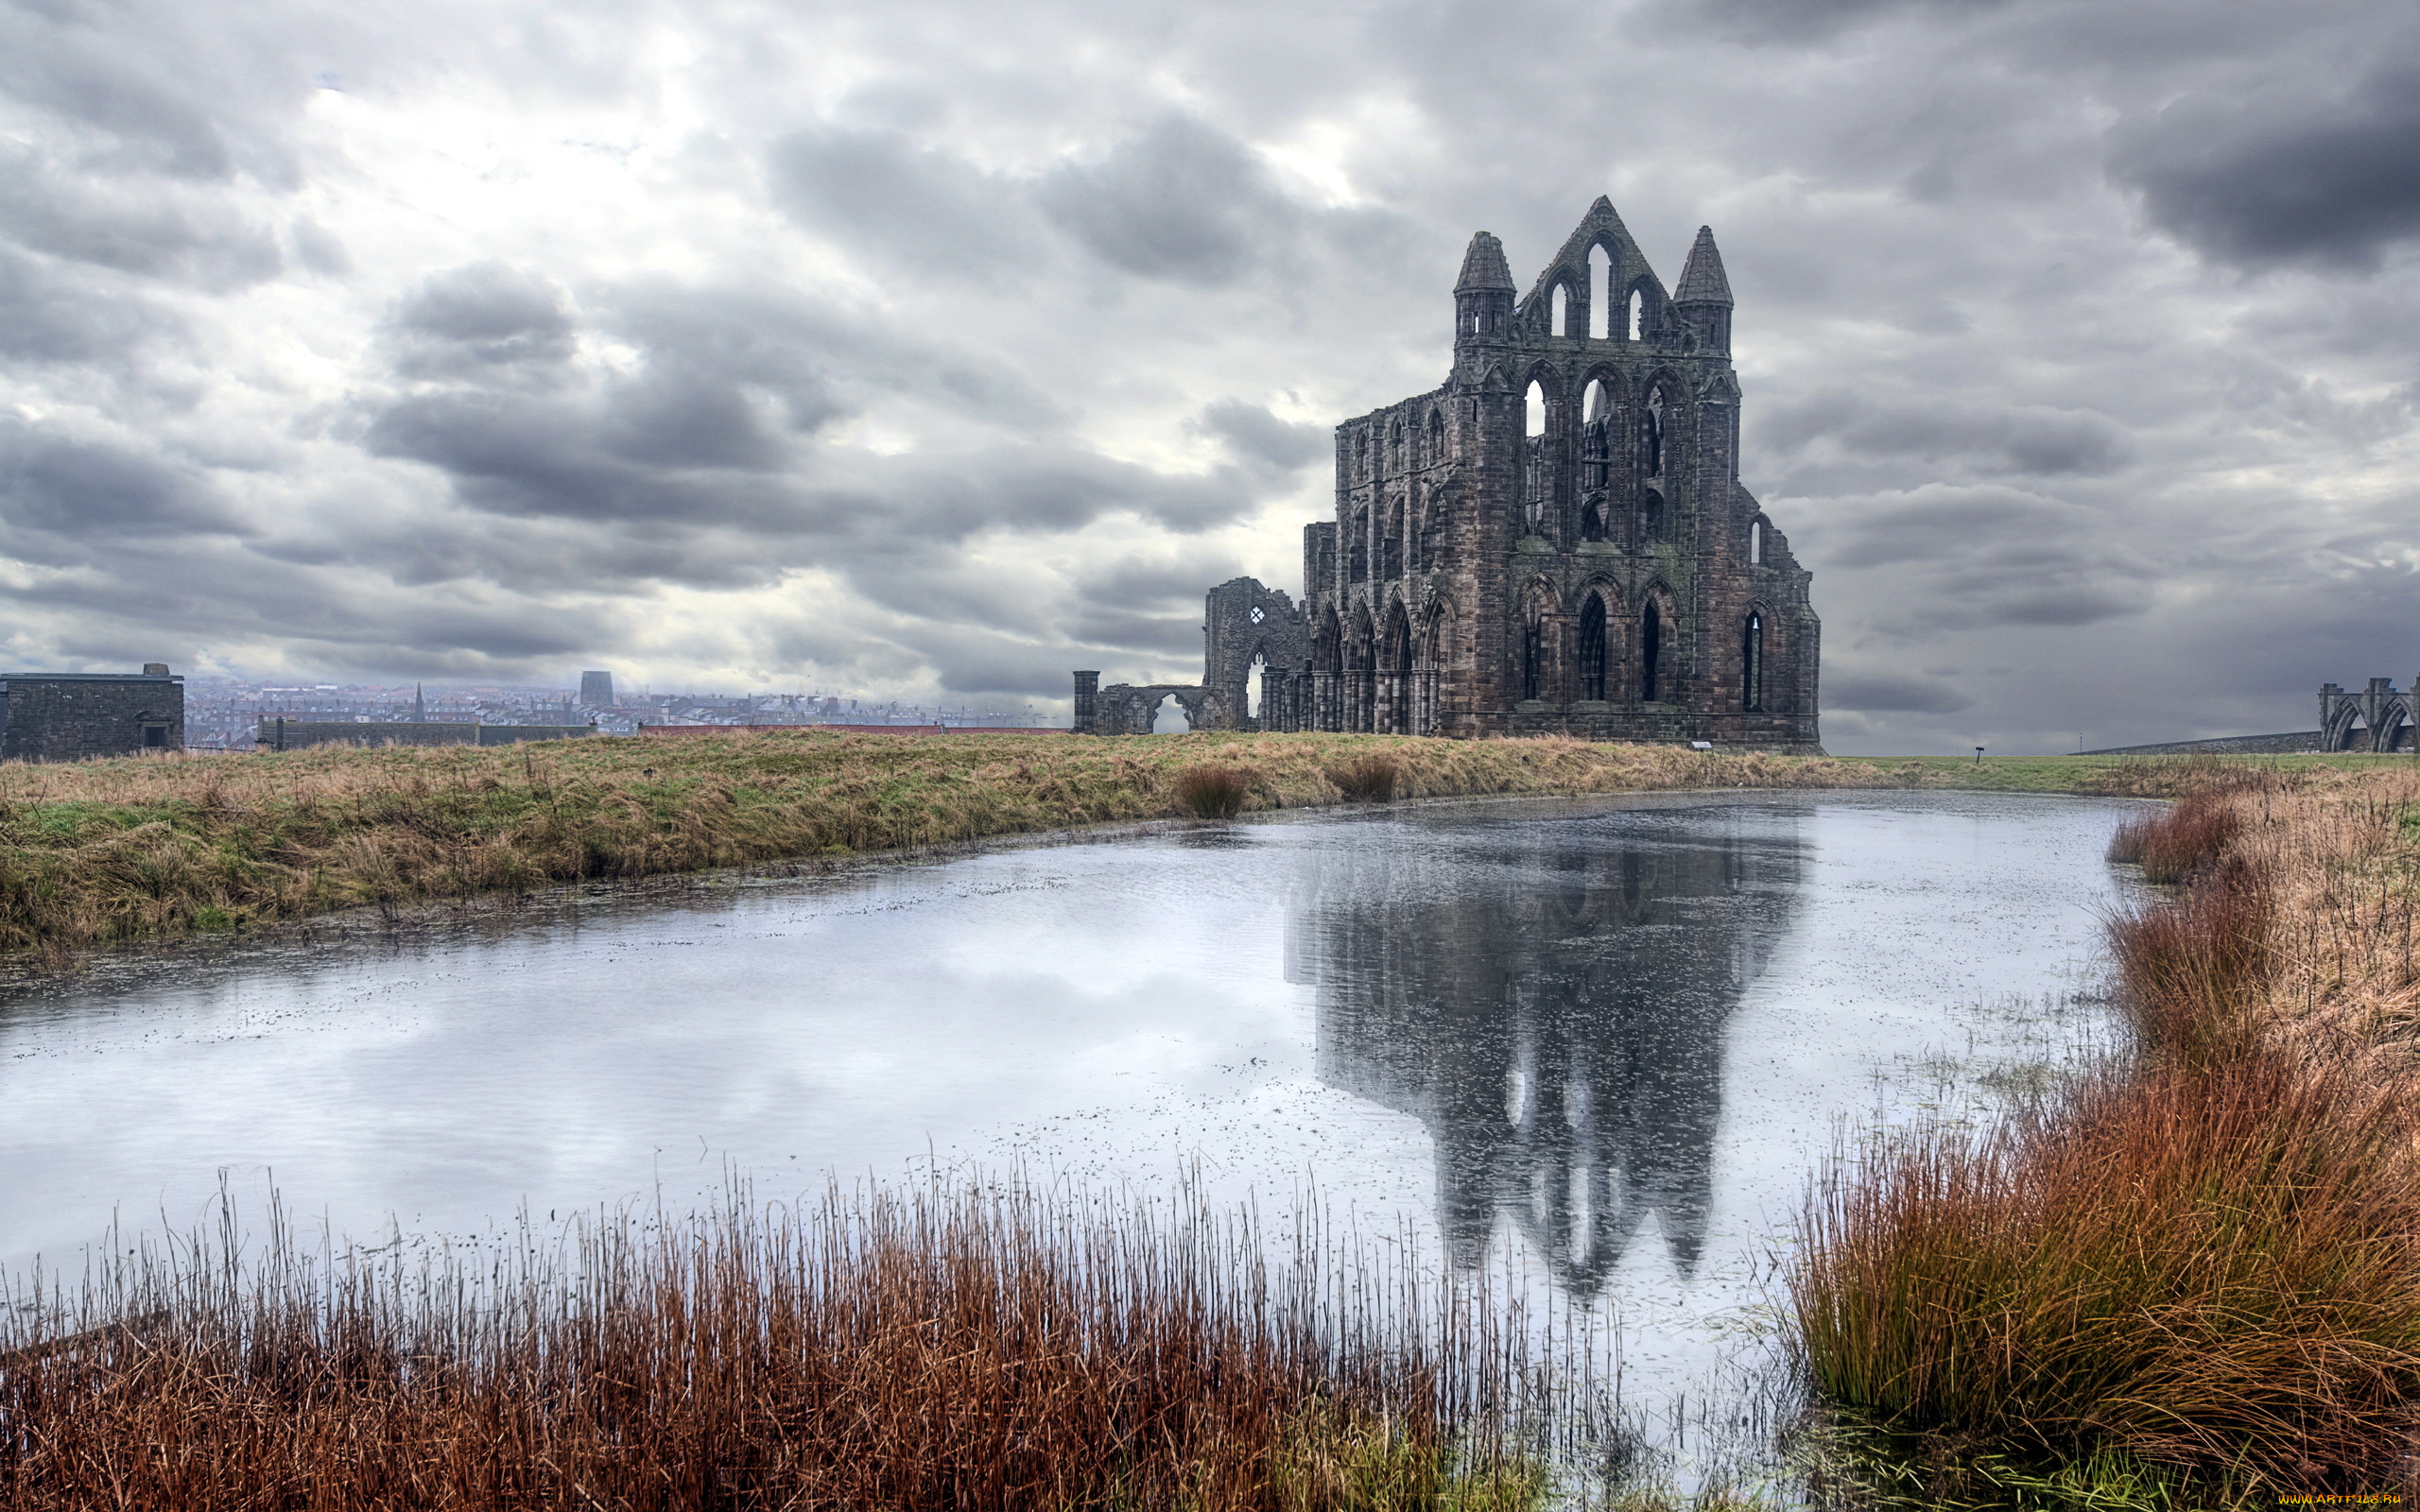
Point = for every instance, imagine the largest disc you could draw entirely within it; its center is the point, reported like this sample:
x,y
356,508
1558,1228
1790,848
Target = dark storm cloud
x,y
913,206
65,498
1891,693
808,352
158,231
76,71
1965,439
1132,584
1181,201
1977,558
1176,637
2320,175
51,315
1259,438
486,315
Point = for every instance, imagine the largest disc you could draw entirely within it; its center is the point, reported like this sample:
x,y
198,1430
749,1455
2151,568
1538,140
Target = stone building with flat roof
x,y
66,717
1555,541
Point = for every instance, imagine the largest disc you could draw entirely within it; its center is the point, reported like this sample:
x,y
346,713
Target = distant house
x,y
66,717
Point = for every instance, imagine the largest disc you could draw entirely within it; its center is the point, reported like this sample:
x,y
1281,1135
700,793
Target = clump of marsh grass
x,y
1367,778
1210,792
957,1345
2192,969
2207,1270
2179,841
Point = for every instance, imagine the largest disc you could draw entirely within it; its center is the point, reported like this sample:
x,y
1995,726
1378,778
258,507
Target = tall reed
x,y
957,1346
2201,1261
2205,1268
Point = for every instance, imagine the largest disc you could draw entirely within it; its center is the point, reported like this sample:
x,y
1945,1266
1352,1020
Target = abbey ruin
x,y
1555,541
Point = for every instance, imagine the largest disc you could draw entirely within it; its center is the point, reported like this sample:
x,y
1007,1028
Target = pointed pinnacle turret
x,y
1701,277
1483,267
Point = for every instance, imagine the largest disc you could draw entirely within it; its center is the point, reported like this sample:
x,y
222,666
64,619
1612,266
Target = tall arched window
x,y
1650,435
1357,549
1650,653
1592,649
1756,542
1533,651
1650,517
1635,324
1390,548
1536,481
1436,437
1596,447
1561,310
1752,664
1600,293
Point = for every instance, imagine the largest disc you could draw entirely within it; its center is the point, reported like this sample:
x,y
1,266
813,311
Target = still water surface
x,y
1601,1043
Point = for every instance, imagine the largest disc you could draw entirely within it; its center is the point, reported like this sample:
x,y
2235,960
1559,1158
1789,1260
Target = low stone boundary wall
x,y
2291,743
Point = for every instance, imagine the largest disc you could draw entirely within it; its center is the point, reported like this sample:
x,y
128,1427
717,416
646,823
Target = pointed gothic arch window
x,y
1600,292
1534,410
1592,649
1650,517
1752,664
1436,437
1756,542
1357,549
1562,307
1595,446
1651,420
1533,651
1635,320
1390,548
1650,653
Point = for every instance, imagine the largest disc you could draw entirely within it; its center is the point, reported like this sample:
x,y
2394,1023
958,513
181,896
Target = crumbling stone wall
x,y
65,716
1602,573
1124,710
2378,718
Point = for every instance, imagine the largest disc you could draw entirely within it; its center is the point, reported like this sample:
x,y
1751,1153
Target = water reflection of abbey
x,y
1550,998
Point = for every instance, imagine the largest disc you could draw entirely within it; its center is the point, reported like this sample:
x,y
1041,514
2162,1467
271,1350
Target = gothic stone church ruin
x,y
1554,541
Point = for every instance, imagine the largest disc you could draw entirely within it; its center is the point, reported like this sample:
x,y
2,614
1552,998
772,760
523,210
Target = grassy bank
x,y
144,847
963,1347
2192,1281
105,851
2113,776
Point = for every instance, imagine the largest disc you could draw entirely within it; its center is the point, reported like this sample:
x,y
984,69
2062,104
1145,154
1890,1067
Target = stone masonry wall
x,y
66,718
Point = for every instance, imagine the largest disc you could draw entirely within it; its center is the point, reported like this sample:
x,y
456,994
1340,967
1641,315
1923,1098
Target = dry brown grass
x,y
1212,792
961,1349
2206,1268
1368,778
2204,1260
113,850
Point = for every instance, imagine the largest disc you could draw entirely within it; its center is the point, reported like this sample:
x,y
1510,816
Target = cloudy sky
x,y
937,349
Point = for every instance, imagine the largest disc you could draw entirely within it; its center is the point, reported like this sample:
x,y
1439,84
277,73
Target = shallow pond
x,y
1602,1043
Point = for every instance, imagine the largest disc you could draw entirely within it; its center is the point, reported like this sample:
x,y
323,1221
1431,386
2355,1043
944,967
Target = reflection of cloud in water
x,y
1549,998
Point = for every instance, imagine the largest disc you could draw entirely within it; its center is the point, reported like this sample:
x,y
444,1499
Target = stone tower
x,y
1555,541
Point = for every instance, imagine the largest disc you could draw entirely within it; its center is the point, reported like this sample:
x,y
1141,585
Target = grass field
x,y
96,851
102,851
